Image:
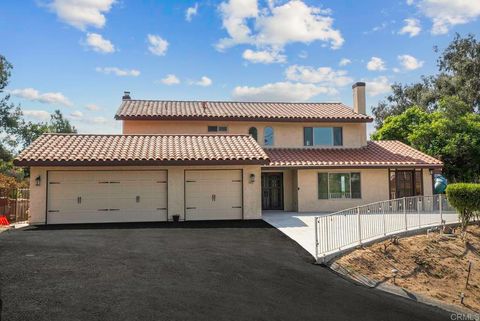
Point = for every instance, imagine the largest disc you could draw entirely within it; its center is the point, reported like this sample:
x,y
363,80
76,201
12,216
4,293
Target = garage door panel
x,y
107,196
213,194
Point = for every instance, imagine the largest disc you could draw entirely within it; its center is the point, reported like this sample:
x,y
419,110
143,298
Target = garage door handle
x,y
214,197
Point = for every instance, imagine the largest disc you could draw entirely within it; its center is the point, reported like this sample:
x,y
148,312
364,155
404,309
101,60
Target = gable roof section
x,y
380,154
250,111
97,150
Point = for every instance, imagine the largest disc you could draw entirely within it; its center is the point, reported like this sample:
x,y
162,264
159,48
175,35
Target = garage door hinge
x,y
190,181
102,182
237,181
191,208
161,208
236,207
103,209
52,211
54,183
161,182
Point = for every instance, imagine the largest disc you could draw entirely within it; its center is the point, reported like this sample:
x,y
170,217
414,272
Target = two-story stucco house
x,y
220,160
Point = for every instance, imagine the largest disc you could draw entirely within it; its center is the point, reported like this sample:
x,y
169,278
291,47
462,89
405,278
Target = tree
x,y
459,67
15,132
451,134
10,116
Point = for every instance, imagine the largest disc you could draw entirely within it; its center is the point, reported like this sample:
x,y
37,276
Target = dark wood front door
x,y
272,191
405,183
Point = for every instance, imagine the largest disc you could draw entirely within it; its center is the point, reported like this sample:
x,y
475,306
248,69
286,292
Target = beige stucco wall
x,y
288,134
374,186
251,191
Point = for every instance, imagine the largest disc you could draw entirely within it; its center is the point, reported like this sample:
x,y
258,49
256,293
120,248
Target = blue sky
x,y
80,55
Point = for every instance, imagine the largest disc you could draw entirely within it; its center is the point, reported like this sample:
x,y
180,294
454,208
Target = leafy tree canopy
x,y
451,134
459,67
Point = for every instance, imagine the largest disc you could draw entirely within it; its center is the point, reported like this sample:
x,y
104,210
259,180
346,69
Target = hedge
x,y
465,198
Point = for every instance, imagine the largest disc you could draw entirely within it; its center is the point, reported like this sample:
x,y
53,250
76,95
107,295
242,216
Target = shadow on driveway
x,y
190,271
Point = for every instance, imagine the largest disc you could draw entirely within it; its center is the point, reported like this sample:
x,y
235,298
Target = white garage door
x,y
213,195
106,196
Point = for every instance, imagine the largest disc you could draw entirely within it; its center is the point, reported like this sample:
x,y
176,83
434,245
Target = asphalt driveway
x,y
192,271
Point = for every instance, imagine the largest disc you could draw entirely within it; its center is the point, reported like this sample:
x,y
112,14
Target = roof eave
x,y
46,163
253,119
365,166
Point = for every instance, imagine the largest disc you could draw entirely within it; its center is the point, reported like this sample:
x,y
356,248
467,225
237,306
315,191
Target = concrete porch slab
x,y
300,227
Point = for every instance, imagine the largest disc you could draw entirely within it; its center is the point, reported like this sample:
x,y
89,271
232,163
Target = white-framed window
x,y
339,185
216,129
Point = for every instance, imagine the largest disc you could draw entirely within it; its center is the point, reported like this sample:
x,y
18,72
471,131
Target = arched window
x,y
253,132
268,136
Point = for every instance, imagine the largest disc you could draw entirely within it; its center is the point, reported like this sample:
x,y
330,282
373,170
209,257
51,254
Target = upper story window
x,y
215,129
322,136
253,132
268,136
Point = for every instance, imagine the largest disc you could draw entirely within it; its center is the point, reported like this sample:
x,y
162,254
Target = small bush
x,y
465,197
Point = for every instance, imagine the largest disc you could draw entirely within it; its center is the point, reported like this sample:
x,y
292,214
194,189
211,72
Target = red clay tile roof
x,y
76,149
252,111
375,154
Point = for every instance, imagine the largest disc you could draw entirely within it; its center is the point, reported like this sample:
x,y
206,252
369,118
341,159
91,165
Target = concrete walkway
x,y
300,227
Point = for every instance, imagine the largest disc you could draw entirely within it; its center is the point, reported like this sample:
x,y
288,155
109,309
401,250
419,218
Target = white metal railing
x,y
351,227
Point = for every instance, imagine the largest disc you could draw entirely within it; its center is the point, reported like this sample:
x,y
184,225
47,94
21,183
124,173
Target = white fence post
x,y
418,211
359,226
316,238
405,212
383,216
440,205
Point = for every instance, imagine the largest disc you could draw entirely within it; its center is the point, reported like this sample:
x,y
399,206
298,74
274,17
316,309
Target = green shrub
x,y
465,198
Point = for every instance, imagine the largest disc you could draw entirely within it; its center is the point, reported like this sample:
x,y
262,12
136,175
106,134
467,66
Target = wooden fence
x,y
14,204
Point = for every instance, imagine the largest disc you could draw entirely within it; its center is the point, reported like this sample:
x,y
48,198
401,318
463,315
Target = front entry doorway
x,y
272,191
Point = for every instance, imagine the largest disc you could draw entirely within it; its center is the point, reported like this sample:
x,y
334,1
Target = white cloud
x,y
118,72
411,27
321,75
204,82
281,91
40,115
191,11
276,26
46,98
448,13
344,62
376,64
303,54
99,120
82,13
410,2
99,44
409,62
92,107
157,45
76,115
264,56
170,79
378,86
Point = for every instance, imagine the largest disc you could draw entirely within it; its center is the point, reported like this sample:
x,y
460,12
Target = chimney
x,y
126,95
359,102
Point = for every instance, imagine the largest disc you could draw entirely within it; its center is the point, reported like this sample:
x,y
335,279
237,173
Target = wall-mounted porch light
x,y
252,178
37,180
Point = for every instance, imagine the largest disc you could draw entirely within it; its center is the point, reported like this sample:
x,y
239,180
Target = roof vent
x,y
126,95
204,105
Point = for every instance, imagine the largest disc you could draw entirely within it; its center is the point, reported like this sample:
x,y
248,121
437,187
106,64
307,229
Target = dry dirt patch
x,y
435,265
